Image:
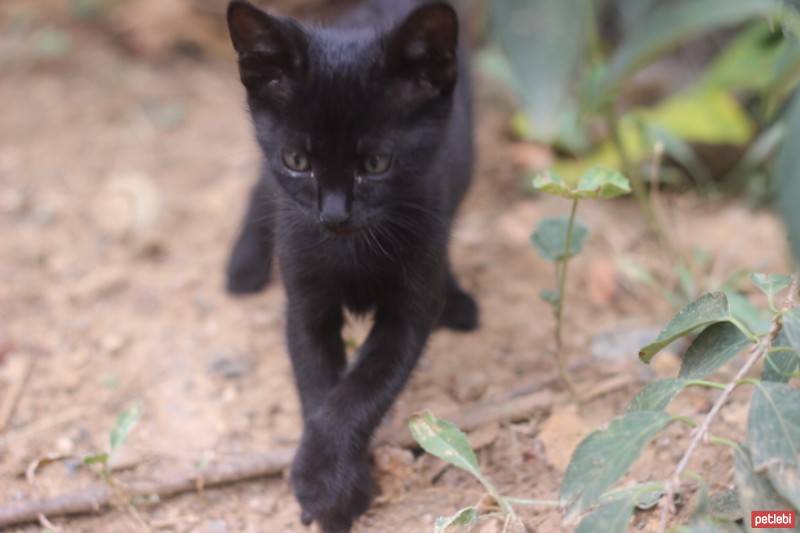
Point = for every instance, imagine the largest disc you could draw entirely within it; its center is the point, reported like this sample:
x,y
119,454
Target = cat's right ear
x,y
272,50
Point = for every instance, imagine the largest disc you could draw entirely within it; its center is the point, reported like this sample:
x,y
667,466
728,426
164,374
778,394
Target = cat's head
x,y
349,121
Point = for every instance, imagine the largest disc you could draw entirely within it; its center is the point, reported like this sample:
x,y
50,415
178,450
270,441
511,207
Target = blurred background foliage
x,y
711,83
611,83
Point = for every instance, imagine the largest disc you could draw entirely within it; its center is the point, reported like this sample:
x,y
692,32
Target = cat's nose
x,y
334,220
334,212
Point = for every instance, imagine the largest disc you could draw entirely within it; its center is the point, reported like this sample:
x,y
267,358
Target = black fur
x,y
330,107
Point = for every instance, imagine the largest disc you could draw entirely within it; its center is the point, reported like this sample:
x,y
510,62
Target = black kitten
x,y
367,136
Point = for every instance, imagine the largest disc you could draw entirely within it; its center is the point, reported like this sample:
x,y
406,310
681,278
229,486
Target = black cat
x,y
366,130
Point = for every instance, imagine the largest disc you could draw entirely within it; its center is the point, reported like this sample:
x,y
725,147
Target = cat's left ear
x,y
271,49
421,53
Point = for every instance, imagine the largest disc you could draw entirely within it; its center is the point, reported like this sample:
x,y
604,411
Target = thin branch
x,y
758,352
100,496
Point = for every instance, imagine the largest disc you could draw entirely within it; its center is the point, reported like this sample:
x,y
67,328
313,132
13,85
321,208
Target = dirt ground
x,y
121,187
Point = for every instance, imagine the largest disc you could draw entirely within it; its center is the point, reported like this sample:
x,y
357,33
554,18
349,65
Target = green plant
x,y
561,239
767,463
445,441
122,428
574,103
123,425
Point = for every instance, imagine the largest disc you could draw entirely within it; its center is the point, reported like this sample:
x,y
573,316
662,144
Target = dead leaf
x,y
561,433
397,462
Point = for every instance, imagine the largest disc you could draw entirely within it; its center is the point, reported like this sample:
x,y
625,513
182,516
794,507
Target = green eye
x,y
296,161
377,163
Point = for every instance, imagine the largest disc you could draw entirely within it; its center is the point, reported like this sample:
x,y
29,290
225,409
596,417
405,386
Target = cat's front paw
x,y
332,485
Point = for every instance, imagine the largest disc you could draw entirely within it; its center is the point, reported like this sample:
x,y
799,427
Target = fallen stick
x,y
99,496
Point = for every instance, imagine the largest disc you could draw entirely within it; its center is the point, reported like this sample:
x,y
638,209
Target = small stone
x,y
65,445
230,367
622,343
112,343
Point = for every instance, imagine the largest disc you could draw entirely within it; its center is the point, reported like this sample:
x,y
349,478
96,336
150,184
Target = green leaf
x,y
672,24
531,33
785,179
444,440
770,284
612,517
756,319
791,327
645,496
466,518
773,436
552,183
785,479
700,114
726,506
705,311
782,365
773,425
787,76
126,421
714,347
756,493
657,395
550,239
750,61
550,296
606,455
602,183
96,458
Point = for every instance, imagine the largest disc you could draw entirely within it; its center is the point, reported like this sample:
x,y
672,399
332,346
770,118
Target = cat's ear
x,y
272,50
421,52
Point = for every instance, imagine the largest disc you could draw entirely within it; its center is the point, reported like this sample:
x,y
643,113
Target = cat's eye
x,y
296,161
376,164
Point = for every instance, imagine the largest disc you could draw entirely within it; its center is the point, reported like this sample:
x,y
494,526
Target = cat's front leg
x,y
250,263
316,349
330,473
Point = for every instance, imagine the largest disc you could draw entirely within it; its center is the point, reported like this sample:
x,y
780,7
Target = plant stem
x,y
704,383
646,201
743,328
533,503
685,420
639,189
501,501
562,269
758,352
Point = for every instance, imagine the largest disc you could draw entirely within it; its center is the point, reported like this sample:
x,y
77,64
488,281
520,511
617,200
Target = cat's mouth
x,y
341,231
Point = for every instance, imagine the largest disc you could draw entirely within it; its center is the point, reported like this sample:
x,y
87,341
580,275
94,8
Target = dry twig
x,y
100,496
758,352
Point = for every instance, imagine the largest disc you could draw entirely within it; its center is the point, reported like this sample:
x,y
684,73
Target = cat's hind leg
x,y
250,263
461,312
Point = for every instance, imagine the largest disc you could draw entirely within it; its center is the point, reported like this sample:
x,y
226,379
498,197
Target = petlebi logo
x,y
772,519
